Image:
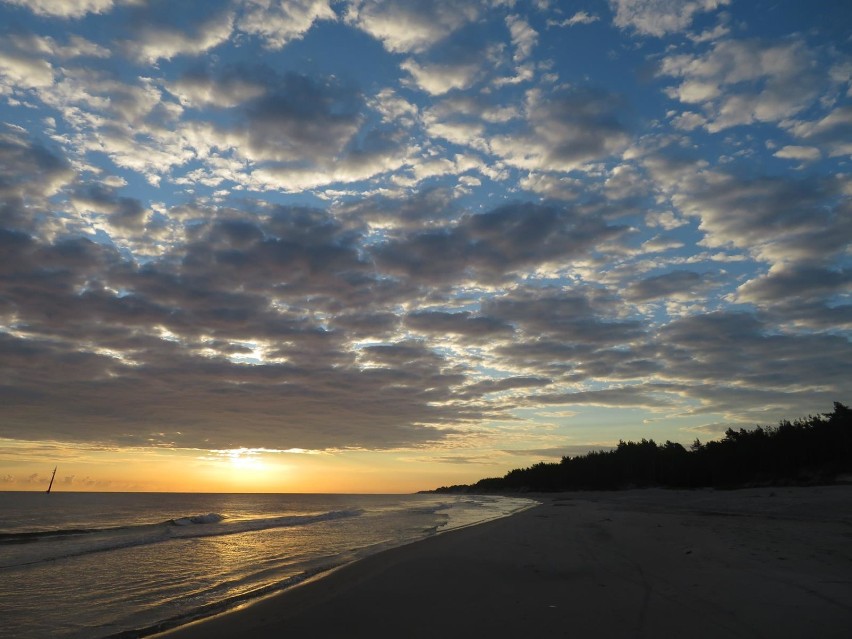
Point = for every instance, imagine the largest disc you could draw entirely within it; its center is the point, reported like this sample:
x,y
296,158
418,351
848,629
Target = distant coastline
x,y
808,451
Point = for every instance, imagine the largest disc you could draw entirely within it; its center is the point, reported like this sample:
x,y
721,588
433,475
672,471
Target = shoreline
x,y
221,609
771,562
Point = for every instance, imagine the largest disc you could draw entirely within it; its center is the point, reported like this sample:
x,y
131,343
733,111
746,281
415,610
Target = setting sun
x,y
244,459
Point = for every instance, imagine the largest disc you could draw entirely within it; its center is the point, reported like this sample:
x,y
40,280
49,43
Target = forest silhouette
x,y
812,450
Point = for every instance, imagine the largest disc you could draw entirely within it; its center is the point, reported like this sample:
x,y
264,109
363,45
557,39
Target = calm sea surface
x,y
92,565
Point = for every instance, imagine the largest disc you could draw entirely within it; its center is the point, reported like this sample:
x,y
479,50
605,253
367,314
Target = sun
x,y
245,459
245,469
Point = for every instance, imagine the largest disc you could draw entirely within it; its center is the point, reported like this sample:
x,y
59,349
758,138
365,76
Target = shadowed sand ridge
x,y
646,563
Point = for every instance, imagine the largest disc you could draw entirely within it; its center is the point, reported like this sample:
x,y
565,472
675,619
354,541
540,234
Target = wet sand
x,y
768,562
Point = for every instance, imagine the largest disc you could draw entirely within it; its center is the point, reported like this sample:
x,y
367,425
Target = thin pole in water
x,y
51,479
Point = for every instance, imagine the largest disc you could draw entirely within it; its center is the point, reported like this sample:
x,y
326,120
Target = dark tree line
x,y
811,450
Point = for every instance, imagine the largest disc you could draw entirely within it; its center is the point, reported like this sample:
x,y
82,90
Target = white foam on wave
x,y
232,527
476,509
209,525
210,518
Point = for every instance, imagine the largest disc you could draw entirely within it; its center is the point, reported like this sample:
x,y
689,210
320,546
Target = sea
x,y
122,565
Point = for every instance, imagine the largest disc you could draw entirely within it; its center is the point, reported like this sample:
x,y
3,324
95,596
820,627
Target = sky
x,y
388,245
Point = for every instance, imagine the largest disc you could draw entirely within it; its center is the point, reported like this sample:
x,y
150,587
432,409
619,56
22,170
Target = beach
x,y
110,565
762,562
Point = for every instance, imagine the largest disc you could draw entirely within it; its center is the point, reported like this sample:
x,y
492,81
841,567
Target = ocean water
x,y
94,565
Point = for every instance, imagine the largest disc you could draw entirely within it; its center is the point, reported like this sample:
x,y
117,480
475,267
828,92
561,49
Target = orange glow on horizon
x,y
239,470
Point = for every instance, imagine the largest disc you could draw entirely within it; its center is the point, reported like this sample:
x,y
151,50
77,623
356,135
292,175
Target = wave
x,y
211,518
216,524
56,534
48,545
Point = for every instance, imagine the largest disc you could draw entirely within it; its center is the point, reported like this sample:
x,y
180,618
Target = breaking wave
x,y
73,542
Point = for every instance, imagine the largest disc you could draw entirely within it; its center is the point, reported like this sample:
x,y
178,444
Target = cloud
x,y
368,324
461,61
19,70
394,108
658,244
269,131
565,131
747,365
439,78
198,87
624,396
289,131
278,23
462,232
794,218
299,251
804,153
678,284
411,26
504,384
257,312
465,119
553,186
31,174
776,219
426,207
176,335
158,39
300,119
741,82
135,124
64,8
75,47
462,323
663,219
122,213
832,132
524,37
660,17
717,32
581,17
796,284
490,247
573,317
689,120
310,408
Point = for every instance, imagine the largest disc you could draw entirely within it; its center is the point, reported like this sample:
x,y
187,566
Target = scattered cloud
x,y
668,285
492,246
793,152
386,224
660,17
64,8
565,131
438,78
411,26
524,37
278,23
832,132
740,82
581,17
158,39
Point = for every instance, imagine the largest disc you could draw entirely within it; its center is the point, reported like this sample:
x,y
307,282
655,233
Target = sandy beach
x,y
767,562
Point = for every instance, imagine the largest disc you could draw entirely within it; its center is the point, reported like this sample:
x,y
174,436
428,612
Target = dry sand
x,y
769,562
